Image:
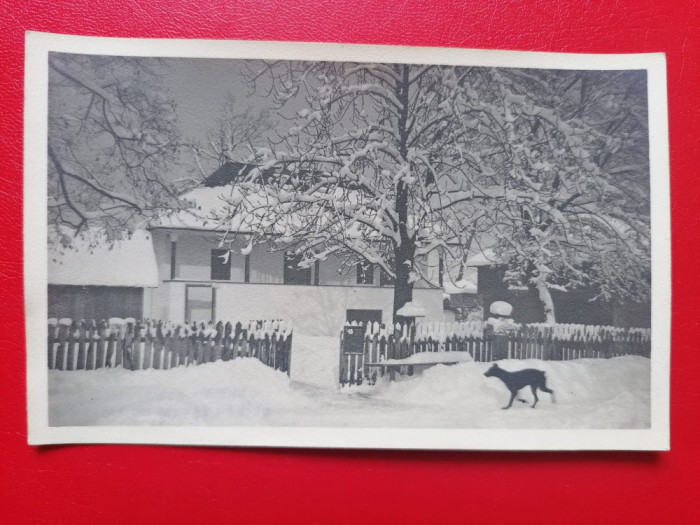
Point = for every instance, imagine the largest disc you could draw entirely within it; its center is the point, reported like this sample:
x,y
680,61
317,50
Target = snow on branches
x,y
394,164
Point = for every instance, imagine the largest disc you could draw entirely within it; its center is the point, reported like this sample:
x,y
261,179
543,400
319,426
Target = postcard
x,y
327,245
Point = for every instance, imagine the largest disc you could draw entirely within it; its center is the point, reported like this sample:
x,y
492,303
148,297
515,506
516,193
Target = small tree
x,y
234,135
112,144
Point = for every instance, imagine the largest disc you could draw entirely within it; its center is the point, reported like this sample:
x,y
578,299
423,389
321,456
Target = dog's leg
x,y
544,388
534,393
550,392
512,397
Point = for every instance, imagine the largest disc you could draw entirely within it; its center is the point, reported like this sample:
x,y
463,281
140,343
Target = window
x,y
365,273
220,265
293,274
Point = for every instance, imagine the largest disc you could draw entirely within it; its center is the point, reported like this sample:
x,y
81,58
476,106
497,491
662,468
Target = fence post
x,y
111,349
146,346
51,353
71,349
82,350
342,372
159,351
89,346
218,342
288,352
62,350
100,344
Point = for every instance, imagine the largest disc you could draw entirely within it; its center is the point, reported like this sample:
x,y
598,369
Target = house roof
x,y
231,172
206,203
93,261
212,201
468,284
486,257
210,209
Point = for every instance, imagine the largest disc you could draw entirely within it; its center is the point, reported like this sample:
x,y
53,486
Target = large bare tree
x,y
112,144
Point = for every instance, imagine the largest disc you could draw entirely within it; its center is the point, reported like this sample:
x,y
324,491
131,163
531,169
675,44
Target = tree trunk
x,y
403,287
465,255
546,299
405,250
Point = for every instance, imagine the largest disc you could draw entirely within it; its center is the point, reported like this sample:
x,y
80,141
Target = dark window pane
x,y
220,265
293,274
365,273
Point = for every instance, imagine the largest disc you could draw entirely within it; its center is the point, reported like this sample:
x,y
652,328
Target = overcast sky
x,y
199,87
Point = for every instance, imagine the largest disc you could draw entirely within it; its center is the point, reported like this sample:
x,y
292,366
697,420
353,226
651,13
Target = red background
x,y
130,484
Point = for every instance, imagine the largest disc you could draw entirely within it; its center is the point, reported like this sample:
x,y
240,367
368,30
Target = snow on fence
x,y
365,348
138,345
576,341
362,347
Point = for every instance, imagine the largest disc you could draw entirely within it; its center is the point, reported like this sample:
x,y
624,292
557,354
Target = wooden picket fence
x,y
140,345
365,348
564,342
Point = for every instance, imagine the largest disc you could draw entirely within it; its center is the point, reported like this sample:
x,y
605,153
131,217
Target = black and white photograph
x,y
284,244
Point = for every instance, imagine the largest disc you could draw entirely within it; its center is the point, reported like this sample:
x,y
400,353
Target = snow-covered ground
x,y
590,393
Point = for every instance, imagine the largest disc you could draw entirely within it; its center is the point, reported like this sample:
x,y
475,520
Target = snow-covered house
x,y
190,276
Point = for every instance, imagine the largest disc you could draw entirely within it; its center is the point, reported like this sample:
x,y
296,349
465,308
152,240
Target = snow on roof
x,y
463,286
468,283
486,257
211,207
229,172
206,204
92,261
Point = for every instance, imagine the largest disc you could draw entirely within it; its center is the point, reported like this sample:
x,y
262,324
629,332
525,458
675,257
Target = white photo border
x,y
38,45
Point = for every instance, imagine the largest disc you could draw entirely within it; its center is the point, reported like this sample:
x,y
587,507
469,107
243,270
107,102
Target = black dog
x,y
517,380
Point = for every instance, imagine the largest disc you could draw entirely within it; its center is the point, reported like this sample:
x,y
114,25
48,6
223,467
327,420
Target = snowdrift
x,y
590,393
239,392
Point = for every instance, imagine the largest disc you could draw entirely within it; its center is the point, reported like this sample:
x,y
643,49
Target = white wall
x,y
313,310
